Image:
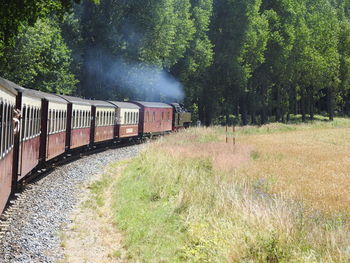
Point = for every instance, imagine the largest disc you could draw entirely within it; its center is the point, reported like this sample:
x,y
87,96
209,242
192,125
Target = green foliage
x,y
250,61
179,209
40,59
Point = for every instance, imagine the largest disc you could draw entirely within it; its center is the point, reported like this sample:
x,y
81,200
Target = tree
x,y
40,59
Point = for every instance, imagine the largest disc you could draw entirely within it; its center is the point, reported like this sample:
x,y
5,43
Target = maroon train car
x,y
29,103
155,118
78,122
103,123
53,126
7,105
127,119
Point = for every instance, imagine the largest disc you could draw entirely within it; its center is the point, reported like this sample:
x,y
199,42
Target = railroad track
x,y
26,186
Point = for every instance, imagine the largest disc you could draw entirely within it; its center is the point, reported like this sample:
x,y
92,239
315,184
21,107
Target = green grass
x,y
180,209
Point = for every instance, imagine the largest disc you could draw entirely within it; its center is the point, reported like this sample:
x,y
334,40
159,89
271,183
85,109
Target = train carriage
x,y
103,124
54,124
29,103
7,106
127,119
155,118
78,122
181,117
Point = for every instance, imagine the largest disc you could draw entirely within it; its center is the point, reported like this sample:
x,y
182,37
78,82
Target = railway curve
x,y
40,212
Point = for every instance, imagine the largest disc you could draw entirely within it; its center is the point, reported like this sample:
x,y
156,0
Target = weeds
x,y
192,198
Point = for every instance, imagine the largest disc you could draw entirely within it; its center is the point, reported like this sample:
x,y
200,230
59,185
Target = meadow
x,y
280,194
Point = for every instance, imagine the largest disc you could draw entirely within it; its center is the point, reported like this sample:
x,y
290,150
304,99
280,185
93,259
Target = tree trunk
x,y
312,105
244,109
302,106
330,103
254,117
278,104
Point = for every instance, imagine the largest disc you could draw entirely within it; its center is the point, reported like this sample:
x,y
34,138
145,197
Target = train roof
x,y
125,105
102,103
36,93
152,104
76,100
8,85
51,97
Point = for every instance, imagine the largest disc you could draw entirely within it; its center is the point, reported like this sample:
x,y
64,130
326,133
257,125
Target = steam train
x,y
37,128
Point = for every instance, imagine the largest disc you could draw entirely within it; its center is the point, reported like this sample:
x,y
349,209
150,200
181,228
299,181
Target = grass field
x,y
281,194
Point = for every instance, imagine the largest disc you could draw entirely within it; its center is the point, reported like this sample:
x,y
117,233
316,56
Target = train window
x,y
28,122
56,121
62,120
1,125
6,128
76,119
60,114
33,123
23,122
37,122
86,119
134,117
59,120
49,122
39,127
168,116
3,128
162,115
154,116
11,127
73,120
79,119
52,119
64,124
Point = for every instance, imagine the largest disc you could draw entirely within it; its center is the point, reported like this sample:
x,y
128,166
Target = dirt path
x,y
92,237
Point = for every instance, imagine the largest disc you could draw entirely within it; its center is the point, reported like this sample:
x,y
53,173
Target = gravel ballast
x,y
33,234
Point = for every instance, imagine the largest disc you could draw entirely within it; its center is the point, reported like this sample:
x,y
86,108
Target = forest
x,y
229,61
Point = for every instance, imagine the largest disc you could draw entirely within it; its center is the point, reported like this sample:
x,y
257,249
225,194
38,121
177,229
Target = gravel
x,y
44,208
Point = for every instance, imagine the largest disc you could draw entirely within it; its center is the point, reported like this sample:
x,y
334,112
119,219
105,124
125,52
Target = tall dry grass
x,y
195,198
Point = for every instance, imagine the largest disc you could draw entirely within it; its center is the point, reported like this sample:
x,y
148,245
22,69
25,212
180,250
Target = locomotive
x,y
37,128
